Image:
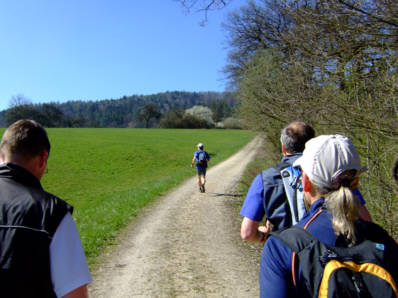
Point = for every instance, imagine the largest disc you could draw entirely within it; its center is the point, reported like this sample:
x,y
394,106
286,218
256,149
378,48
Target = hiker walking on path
x,y
40,250
201,157
208,261
334,250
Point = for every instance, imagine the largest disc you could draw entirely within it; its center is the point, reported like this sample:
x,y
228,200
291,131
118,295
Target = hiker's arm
x,y
193,161
80,292
275,271
252,232
364,214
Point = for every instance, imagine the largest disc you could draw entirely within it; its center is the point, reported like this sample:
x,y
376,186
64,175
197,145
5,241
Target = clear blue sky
x,y
102,49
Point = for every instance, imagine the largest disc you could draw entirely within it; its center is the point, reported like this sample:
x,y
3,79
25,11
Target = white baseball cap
x,y
200,145
326,157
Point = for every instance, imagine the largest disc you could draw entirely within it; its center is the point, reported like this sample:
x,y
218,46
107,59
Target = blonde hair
x,y
343,205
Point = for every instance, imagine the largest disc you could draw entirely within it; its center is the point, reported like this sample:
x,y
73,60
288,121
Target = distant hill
x,y
125,111
2,118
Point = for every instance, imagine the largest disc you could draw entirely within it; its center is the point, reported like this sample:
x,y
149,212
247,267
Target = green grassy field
x,y
108,175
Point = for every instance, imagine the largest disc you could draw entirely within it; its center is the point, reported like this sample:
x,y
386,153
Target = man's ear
x,y
43,159
305,181
284,152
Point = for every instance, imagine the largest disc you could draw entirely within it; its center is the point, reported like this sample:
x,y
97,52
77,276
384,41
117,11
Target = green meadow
x,y
108,175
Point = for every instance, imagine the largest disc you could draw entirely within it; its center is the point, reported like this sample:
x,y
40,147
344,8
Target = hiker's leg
x,y
199,170
203,183
203,179
199,180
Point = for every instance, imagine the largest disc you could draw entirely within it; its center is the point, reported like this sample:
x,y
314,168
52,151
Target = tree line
x,y
169,110
332,64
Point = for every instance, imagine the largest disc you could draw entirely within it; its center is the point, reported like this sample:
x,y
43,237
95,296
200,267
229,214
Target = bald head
x,y
295,135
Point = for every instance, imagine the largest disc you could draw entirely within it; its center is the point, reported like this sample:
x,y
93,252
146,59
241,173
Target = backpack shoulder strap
x,y
291,184
278,168
296,238
373,232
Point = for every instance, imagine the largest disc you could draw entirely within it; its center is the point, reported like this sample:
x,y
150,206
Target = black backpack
x,y
368,269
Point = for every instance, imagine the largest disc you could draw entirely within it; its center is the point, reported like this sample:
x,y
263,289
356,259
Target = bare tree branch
x,y
203,6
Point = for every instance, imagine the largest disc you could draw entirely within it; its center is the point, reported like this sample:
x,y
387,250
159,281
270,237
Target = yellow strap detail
x,y
367,267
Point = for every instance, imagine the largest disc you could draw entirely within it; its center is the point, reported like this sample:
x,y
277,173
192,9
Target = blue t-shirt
x,y
276,259
253,205
196,154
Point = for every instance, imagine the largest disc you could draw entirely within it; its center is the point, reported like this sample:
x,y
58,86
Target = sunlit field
x,y
108,175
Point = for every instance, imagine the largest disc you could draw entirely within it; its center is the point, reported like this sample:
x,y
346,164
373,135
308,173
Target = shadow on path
x,y
233,195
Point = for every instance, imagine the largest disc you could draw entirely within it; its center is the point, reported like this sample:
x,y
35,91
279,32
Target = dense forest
x,y
168,109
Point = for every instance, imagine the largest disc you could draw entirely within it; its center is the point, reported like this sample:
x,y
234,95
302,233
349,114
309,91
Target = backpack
x,y
202,161
368,269
294,192
283,195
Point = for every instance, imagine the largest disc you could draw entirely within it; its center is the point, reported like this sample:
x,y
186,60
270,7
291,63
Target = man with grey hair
x,y
41,254
266,195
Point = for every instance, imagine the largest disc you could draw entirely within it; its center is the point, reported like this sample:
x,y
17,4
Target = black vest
x,y
29,217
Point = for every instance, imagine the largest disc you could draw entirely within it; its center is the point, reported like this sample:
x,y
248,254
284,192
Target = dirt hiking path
x,y
187,244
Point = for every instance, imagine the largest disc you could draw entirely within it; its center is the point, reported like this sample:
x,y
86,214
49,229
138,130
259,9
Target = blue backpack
x,y
291,178
283,195
202,161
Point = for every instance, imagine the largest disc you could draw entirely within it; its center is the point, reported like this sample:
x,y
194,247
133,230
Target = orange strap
x,y
369,268
294,253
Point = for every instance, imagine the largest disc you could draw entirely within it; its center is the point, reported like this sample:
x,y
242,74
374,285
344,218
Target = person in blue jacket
x,y
331,168
201,157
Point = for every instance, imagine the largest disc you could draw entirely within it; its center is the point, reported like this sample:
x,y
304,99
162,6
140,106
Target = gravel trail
x,y
187,244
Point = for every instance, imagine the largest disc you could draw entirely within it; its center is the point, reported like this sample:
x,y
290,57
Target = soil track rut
x,y
187,244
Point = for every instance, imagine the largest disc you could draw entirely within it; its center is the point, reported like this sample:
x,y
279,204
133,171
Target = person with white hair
x,y
201,157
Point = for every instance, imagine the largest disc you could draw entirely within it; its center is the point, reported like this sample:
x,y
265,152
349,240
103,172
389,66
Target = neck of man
x,y
30,165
